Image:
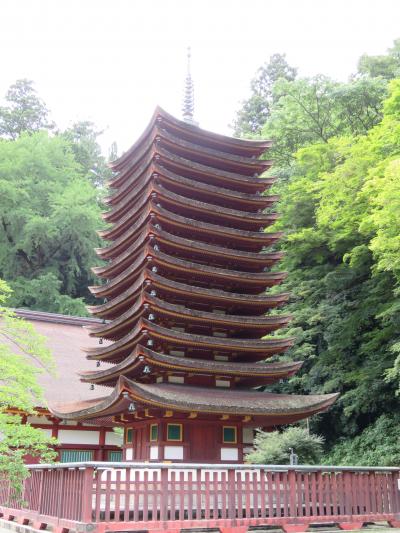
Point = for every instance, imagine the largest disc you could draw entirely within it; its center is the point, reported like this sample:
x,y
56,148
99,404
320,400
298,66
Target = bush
x,y
274,447
378,445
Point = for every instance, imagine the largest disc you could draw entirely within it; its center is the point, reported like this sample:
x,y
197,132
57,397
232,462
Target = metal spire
x,y
188,99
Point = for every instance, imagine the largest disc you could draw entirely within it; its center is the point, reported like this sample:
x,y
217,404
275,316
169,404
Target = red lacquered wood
x,y
285,483
307,494
107,503
224,493
190,495
270,494
198,493
207,496
255,493
247,495
172,495
263,501
216,491
292,493
239,488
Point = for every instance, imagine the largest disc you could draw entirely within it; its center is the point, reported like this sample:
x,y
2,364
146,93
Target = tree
x,y
256,110
340,211
25,111
23,356
312,110
386,66
82,137
49,216
274,447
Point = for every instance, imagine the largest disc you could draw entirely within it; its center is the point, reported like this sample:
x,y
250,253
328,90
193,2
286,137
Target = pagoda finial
x,y
188,99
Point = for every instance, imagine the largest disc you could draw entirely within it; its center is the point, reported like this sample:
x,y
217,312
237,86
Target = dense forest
x,y
337,160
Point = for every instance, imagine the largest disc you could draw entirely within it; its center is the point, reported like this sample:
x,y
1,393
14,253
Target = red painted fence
x,y
121,496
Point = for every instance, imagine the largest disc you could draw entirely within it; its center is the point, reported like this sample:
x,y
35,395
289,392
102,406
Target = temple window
x,y
153,432
229,434
129,435
73,456
174,432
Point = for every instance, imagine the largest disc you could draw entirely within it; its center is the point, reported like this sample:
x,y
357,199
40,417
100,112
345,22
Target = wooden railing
x,y
117,493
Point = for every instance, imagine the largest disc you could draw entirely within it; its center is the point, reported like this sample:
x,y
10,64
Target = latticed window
x,y
115,456
74,456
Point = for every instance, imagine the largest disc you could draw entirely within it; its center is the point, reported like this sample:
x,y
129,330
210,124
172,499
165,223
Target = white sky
x,y
113,61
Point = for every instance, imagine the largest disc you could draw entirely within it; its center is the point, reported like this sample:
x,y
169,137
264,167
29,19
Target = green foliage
x,y
337,159
387,66
275,447
23,356
341,213
25,111
256,110
314,110
82,137
378,444
49,216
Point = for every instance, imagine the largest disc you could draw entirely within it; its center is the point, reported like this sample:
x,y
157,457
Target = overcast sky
x,y
113,61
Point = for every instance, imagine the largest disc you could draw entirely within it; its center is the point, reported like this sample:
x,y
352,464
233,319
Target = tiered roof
x,y
184,290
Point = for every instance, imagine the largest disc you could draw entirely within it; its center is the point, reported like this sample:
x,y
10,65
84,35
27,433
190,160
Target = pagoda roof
x,y
134,364
156,192
199,249
149,304
145,329
162,140
261,302
276,408
254,281
152,171
192,133
188,168
158,214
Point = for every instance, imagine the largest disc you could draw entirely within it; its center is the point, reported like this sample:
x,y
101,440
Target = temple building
x,y
185,332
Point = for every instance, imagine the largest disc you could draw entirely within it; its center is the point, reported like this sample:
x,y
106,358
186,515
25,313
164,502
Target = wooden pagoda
x,y
184,301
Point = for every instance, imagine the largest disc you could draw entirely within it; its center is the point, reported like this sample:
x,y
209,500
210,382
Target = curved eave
x,y
191,169
258,281
154,171
146,329
259,302
156,193
261,405
163,119
246,166
181,223
189,247
261,324
133,366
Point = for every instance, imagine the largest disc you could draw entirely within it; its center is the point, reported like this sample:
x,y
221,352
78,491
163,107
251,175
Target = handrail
x,y
102,465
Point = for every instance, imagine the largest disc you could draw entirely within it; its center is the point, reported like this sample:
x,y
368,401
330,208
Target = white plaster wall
x,y
112,439
74,436
173,452
248,435
229,454
39,420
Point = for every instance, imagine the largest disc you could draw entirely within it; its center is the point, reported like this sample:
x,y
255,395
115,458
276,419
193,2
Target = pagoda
x,y
185,335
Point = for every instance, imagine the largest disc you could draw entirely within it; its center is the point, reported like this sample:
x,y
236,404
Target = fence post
x,y
39,506
292,493
164,494
87,495
231,493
